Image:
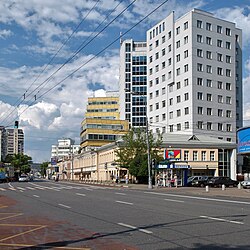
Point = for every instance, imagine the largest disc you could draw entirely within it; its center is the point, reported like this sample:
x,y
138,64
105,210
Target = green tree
x,y
20,162
132,153
43,168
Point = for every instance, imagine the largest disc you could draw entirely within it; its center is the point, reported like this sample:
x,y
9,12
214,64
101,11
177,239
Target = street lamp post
x,y
150,186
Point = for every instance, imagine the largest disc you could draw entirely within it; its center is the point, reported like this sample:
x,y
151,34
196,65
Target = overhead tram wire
x,y
101,51
23,97
82,46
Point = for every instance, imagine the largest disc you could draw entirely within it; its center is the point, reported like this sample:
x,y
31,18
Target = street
x,y
65,215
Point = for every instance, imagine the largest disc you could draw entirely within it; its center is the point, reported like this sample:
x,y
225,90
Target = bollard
x,y
223,187
207,188
239,185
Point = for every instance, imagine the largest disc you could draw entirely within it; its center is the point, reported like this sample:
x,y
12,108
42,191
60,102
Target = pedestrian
x,y
116,179
126,178
175,180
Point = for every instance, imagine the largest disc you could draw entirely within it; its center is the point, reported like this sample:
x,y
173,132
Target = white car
x,y
245,184
23,177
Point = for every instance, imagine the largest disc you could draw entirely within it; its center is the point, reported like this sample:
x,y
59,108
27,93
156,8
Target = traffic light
x,y
16,124
153,163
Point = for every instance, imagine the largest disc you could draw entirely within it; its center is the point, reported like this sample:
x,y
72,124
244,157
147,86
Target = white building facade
x,y
133,79
195,76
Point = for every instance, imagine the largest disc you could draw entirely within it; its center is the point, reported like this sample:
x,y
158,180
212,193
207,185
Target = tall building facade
x,y
14,141
64,149
3,143
195,76
102,124
133,82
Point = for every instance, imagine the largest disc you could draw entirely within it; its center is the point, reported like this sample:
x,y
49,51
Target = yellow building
x,y
101,124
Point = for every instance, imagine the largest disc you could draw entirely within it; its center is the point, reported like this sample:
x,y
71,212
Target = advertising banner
x,y
244,140
172,154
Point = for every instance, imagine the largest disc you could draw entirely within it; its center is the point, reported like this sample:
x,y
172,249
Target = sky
x,y
55,54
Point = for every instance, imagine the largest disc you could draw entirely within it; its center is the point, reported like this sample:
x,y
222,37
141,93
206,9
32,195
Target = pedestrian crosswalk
x,y
33,187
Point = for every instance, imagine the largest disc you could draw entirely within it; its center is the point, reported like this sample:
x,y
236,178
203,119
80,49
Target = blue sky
x,y
31,33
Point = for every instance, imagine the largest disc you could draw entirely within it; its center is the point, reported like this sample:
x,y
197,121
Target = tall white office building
x,y
133,82
195,75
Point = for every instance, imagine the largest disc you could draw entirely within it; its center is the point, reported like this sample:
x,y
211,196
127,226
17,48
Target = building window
x,y
163,39
209,55
209,40
199,38
186,155
178,99
169,34
209,97
209,111
219,43
186,124
209,83
178,29
228,100
199,67
185,25
220,99
228,32
199,53
200,124
163,103
228,113
169,75
219,29
169,48
171,88
178,126
219,71
178,71
199,81
151,107
220,126
219,84
228,86
185,53
229,127
157,119
228,59
185,82
209,125
228,72
156,93
163,117
156,43
163,65
209,26
186,97
156,55
150,83
163,52
170,101
199,24
209,69
163,91
171,128
150,71
200,110
219,57
212,156
169,61
185,39
220,112
200,96
163,78
171,115
178,85
186,68
178,58
186,110
156,80
178,112
203,155
195,155
228,45
178,44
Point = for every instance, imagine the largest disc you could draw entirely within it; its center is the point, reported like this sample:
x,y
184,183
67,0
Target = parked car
x,y
245,184
193,179
222,180
201,182
23,177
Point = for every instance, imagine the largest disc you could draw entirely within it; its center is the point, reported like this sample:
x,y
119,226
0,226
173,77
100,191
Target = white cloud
x,y
5,33
239,16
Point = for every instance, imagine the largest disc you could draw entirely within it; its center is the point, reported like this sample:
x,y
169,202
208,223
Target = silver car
x,y
23,177
245,184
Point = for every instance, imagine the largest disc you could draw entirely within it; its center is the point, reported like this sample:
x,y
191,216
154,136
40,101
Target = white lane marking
x,y
20,188
21,191
64,205
120,193
173,200
133,227
2,189
37,196
200,198
220,219
31,188
13,189
88,189
80,194
124,202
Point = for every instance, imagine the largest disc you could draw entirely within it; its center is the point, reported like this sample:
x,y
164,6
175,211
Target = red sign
x,y
172,154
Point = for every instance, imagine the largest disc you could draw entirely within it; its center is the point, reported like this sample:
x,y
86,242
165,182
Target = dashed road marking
x,y
220,219
121,193
173,200
80,194
137,228
37,196
124,202
62,205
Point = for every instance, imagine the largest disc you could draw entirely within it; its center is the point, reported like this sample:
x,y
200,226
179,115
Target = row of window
x,y
220,71
197,157
228,99
219,29
209,55
208,40
102,102
101,110
210,111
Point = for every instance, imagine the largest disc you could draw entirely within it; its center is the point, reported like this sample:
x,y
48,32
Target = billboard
x,y
172,154
243,140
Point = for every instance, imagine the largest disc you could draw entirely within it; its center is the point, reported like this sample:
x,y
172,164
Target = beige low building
x,y
199,155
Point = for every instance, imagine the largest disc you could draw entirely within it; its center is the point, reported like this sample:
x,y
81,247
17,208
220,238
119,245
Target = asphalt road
x,y
80,216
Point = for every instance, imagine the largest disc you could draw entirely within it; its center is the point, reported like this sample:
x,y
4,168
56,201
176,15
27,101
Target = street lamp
x,y
150,186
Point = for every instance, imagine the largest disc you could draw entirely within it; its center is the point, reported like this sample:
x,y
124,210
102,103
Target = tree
x,y
43,168
20,162
132,153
